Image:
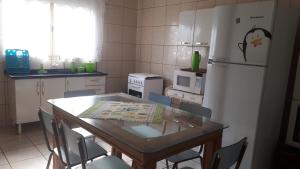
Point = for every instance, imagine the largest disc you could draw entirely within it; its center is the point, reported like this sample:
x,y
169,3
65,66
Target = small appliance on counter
x,y
17,61
190,81
141,84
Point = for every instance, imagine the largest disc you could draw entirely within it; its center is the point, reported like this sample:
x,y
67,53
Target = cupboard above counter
x,y
27,93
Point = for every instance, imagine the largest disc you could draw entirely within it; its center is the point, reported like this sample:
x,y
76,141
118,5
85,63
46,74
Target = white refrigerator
x,y
236,74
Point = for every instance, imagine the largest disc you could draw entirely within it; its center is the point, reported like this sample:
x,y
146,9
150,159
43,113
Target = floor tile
x,y
44,150
15,142
22,154
5,166
3,160
34,163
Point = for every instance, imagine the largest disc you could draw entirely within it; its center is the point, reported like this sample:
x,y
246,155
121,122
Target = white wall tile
x,y
170,54
147,19
113,85
116,2
129,34
128,52
112,51
171,35
184,55
159,15
138,53
159,2
130,17
115,14
146,53
172,2
168,71
139,17
131,4
156,68
115,33
157,54
158,35
147,35
172,14
114,68
148,3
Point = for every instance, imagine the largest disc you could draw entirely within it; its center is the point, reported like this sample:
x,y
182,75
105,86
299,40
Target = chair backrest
x,y
46,120
73,142
195,109
77,93
159,99
229,156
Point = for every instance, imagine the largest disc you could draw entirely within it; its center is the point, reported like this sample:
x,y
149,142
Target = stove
x,y
141,84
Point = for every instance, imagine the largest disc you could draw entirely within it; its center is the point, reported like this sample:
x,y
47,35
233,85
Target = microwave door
x,y
184,81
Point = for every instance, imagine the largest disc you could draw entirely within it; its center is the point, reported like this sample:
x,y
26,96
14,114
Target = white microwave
x,y
189,81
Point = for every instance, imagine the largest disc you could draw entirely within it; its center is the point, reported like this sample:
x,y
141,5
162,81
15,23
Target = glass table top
x,y
175,126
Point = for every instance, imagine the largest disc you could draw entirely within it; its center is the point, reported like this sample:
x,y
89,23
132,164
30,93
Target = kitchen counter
x,y
52,73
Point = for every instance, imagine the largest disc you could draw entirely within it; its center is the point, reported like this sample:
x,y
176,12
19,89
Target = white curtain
x,y
25,25
77,28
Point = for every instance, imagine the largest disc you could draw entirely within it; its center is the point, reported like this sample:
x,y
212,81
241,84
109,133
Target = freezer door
x,y
231,24
233,92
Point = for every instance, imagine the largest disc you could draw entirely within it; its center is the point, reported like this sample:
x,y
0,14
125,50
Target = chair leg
x,y
49,160
167,164
175,166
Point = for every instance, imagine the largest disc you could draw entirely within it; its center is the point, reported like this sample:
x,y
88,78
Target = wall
x,y
157,34
119,43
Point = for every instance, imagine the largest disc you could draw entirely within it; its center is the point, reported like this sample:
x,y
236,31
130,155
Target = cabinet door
x,y
186,27
75,83
203,26
51,89
27,93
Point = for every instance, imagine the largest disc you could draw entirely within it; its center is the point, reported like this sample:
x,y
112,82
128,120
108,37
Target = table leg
x,y
146,165
116,152
210,148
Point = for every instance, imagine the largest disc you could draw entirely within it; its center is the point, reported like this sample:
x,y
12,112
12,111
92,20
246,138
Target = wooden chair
x,y
196,110
75,142
159,99
229,156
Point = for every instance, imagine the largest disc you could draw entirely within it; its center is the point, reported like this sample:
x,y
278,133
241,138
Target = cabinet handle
x,y
43,88
186,43
38,88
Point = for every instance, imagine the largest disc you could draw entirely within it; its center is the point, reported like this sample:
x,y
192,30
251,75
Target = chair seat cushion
x,y
184,156
84,132
93,149
109,162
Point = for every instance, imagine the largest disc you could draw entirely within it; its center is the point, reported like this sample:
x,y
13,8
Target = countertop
x,y
52,73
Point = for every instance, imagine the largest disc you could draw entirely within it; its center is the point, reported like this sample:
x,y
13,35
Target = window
x,y
59,30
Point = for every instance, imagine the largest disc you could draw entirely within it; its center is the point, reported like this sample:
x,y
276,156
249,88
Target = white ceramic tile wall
x,y
157,26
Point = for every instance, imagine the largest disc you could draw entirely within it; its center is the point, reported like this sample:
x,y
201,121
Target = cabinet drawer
x,y
94,81
193,98
100,90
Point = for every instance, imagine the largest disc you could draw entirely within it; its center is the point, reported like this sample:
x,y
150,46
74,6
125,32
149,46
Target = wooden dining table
x,y
145,142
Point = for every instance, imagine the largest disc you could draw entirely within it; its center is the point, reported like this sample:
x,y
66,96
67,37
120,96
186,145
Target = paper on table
x,y
128,111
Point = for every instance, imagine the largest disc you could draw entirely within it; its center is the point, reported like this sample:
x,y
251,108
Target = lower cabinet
x,y
27,95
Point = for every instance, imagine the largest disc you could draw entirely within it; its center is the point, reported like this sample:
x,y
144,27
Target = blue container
x,y
17,61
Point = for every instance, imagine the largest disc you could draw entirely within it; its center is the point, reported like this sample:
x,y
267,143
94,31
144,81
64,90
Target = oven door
x,y
184,81
135,90
293,133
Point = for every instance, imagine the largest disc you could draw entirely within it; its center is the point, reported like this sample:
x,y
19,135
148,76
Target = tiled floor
x,y
29,151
